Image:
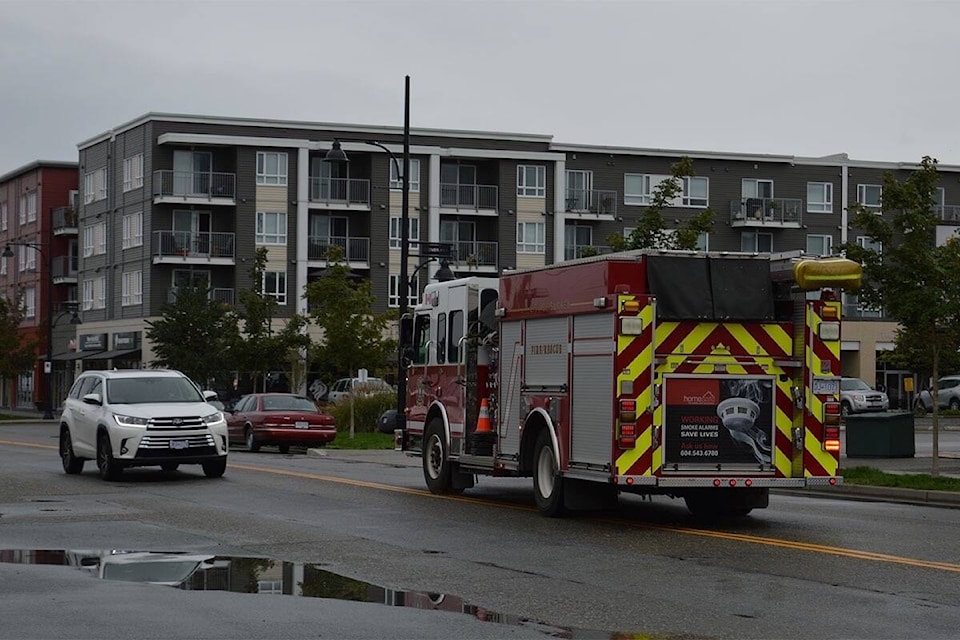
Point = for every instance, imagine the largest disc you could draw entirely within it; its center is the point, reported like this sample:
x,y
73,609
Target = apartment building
x,y
171,199
38,229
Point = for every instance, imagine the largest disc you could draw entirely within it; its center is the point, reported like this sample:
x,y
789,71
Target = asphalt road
x,y
804,567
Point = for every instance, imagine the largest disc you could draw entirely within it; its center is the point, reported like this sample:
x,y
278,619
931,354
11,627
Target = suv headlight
x,y
130,421
213,418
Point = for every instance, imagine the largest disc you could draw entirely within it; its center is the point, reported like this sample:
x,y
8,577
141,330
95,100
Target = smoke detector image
x,y
739,416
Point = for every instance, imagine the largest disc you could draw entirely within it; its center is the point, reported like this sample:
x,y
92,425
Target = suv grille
x,y
172,424
163,442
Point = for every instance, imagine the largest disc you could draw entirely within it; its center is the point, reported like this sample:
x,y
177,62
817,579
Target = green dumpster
x,y
880,435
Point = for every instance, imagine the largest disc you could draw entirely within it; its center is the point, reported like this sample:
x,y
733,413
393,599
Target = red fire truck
x,y
706,376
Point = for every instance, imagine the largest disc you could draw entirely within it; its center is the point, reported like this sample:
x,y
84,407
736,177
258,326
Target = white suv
x,y
140,418
343,387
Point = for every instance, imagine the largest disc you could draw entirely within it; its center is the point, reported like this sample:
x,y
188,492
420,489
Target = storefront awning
x,y
118,354
76,355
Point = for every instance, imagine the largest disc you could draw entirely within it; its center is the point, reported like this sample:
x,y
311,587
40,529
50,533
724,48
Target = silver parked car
x,y
948,395
141,417
856,396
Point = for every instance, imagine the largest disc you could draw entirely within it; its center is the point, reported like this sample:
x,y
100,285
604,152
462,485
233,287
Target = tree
x,y
909,276
353,335
261,347
651,231
17,353
195,335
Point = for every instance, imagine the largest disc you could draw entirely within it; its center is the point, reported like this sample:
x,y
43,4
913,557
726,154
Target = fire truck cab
x,y
706,376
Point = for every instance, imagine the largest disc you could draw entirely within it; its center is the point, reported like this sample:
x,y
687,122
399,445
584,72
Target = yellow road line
x,y
706,533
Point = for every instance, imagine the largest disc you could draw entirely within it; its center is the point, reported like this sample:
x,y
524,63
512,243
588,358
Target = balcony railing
x,y
476,254
217,294
193,244
65,267
64,220
572,251
594,201
340,191
766,211
947,212
352,249
194,184
468,196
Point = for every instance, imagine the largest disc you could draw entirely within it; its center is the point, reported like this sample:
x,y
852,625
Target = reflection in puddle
x,y
203,572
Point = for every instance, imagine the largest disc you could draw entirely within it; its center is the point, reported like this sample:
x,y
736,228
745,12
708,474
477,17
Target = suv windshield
x,y
151,389
854,384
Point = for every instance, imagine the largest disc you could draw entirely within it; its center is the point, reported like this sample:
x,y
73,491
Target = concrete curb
x,y
943,499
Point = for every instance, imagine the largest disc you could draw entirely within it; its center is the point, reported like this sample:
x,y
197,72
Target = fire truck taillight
x,y
628,411
628,424
831,413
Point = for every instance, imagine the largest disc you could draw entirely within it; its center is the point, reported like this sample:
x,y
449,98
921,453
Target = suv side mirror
x,y
93,398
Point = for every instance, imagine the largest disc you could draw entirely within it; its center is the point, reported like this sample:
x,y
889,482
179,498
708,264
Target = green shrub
x,y
366,411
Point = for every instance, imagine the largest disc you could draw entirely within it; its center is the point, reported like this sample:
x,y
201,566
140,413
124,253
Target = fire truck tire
x,y
547,483
709,504
437,469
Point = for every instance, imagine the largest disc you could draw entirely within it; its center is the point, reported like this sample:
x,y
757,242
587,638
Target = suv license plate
x,y
179,444
300,424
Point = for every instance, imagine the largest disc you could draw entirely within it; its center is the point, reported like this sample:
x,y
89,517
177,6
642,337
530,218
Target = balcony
x,y
65,269
481,256
591,204
64,221
193,247
355,251
481,199
574,251
947,212
196,187
784,213
217,294
340,193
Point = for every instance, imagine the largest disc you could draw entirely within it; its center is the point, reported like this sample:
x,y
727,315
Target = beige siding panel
x,y
531,205
530,260
276,257
396,201
272,198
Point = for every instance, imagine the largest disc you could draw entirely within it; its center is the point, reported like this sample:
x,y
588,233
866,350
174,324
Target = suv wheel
x,y
845,408
71,463
215,468
108,466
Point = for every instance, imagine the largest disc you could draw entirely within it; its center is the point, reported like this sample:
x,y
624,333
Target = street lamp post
x,y
48,363
336,154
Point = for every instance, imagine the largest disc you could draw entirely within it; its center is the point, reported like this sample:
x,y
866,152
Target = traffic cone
x,y
483,421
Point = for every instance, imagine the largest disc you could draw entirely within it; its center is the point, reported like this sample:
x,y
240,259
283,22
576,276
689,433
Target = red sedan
x,y
281,419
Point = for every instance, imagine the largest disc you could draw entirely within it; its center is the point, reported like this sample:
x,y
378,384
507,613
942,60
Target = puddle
x,y
204,572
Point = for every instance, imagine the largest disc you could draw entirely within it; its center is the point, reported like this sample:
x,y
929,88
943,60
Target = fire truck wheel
x,y
436,464
547,483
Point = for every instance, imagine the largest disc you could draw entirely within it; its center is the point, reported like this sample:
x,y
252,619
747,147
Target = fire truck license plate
x,y
826,385
178,444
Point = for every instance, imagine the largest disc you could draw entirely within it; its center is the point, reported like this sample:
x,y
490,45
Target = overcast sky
x,y
875,79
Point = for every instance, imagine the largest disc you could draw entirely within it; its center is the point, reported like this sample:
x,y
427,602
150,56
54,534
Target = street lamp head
x,y
445,273
75,318
7,252
336,154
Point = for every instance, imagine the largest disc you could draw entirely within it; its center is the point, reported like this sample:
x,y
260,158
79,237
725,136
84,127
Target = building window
x,y
27,258
696,192
95,239
703,241
753,242
756,188
819,245
133,172
413,293
271,227
853,308
868,243
3,216
94,294
132,230
95,185
275,284
820,197
131,288
414,175
531,181
30,302
531,237
28,207
271,168
870,195
413,233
